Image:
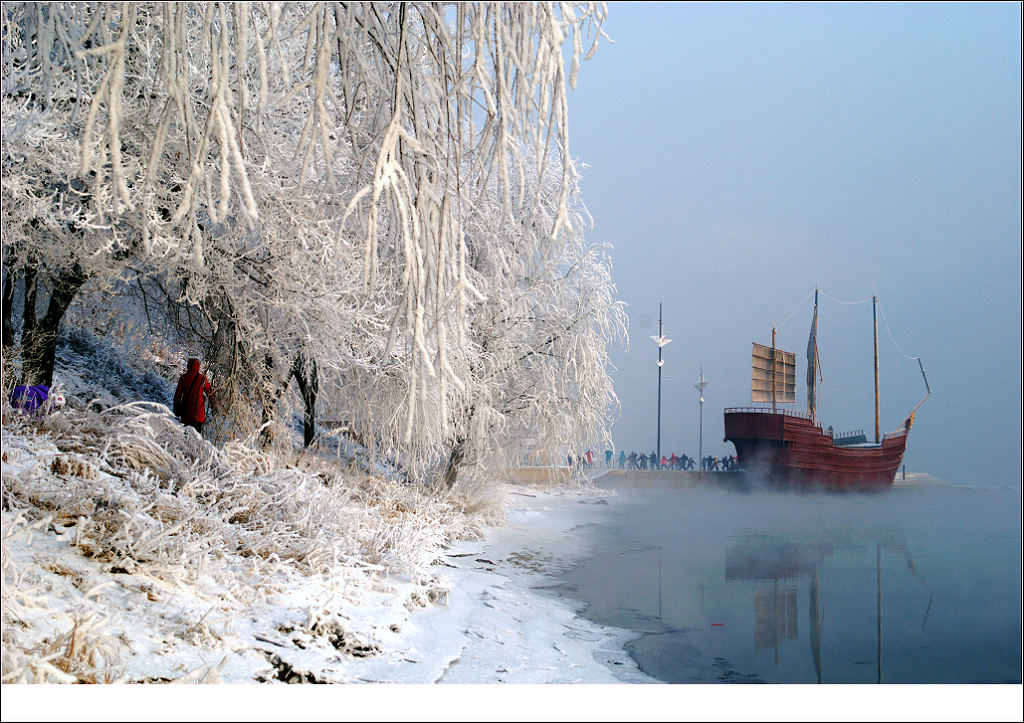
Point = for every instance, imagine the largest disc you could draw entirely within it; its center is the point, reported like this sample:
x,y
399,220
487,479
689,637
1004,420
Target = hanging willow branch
x,y
321,168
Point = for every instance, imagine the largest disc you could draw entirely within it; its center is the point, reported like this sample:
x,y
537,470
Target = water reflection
x,y
804,589
761,559
774,617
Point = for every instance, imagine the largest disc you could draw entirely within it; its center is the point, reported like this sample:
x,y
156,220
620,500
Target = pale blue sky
x,y
738,154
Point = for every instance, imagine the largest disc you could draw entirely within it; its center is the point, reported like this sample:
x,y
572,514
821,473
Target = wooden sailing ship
x,y
790,449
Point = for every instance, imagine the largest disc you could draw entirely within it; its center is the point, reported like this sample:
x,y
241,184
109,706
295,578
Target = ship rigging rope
x,y
840,301
920,363
891,338
885,322
798,307
830,298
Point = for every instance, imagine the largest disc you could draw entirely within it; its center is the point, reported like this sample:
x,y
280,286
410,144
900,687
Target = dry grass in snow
x,y
135,551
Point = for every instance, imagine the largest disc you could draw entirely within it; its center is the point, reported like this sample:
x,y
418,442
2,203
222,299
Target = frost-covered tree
x,y
322,183
539,386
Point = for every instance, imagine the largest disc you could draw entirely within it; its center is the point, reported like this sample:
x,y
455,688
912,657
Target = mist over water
x,y
912,585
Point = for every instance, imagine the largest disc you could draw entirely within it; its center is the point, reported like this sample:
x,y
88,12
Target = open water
x,y
912,585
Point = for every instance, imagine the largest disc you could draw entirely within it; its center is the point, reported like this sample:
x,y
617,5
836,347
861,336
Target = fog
x,y
803,588
738,155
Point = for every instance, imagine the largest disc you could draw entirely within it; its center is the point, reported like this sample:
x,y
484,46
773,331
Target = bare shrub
x,y
86,651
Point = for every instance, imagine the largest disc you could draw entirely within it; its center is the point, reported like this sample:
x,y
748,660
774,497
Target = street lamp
x,y
700,389
661,341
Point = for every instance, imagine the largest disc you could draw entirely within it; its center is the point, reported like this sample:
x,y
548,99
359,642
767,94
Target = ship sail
x,y
812,363
766,386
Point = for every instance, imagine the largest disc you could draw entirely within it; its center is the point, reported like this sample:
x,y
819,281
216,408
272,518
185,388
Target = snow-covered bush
x,y
153,507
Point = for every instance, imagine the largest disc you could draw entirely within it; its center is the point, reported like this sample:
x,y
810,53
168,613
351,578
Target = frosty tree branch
x,y
364,185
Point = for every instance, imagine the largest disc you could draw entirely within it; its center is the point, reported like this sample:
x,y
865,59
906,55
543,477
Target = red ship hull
x,y
789,450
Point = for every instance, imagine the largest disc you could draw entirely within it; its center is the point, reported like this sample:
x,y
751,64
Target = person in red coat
x,y
189,402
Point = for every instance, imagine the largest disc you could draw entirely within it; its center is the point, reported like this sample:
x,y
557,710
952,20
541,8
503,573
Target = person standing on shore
x,y
189,401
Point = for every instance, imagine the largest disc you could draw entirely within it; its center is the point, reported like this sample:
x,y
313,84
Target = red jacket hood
x,y
193,365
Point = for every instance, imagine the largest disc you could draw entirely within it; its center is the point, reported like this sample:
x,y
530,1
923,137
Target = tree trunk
x,y
458,453
268,400
28,313
39,344
308,387
8,312
451,471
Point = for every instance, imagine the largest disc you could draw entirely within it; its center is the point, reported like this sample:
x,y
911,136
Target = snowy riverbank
x,y
495,626
129,577
134,553
487,623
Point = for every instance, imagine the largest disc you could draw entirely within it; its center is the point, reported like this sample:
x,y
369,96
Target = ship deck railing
x,y
768,410
849,439
901,432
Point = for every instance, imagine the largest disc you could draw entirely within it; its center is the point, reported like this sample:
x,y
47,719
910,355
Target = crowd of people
x,y
641,461
724,464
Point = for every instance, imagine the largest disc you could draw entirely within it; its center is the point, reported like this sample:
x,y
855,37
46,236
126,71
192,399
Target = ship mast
x,y
874,316
774,370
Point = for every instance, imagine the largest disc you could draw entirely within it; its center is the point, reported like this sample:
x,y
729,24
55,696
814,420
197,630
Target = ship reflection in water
x,y
919,585
782,563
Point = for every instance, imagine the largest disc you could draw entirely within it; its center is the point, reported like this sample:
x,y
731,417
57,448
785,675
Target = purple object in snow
x,y
30,399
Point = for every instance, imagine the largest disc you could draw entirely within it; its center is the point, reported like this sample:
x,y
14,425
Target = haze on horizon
x,y
738,155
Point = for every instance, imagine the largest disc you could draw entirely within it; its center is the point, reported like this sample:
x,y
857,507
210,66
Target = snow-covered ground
x,y
136,552
472,615
137,614
496,627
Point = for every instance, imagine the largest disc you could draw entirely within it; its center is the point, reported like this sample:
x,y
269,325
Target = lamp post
x,y
661,341
700,390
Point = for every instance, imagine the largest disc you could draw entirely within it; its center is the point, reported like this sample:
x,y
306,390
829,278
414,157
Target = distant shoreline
x,y
610,478
917,479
